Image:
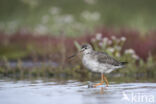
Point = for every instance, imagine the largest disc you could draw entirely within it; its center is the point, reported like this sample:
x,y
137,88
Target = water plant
x,y
22,47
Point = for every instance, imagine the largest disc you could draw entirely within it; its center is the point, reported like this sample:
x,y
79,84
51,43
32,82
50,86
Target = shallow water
x,y
74,92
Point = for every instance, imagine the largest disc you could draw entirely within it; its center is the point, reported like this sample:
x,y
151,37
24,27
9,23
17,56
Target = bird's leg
x,y
102,78
105,79
102,81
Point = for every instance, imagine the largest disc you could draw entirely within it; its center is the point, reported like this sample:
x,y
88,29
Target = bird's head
x,y
86,48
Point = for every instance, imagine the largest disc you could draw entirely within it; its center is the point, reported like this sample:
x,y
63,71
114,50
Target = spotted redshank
x,y
99,62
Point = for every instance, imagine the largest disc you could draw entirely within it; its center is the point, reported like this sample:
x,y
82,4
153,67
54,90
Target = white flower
x,y
98,36
61,20
118,48
101,44
95,16
113,37
111,49
85,14
42,29
105,39
68,18
123,39
135,56
55,10
90,16
132,52
129,51
109,42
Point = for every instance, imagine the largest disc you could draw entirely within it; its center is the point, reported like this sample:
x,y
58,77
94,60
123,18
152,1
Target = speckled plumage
x,y
99,61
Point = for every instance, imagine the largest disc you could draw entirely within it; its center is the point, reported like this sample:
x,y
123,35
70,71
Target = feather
x,y
104,58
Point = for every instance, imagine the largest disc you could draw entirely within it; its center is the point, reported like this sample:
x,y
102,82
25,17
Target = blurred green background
x,y
76,16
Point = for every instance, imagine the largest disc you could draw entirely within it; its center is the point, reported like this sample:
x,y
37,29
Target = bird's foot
x,y
98,84
94,86
106,85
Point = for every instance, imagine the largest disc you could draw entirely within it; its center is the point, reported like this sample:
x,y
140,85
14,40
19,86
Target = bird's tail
x,y
124,63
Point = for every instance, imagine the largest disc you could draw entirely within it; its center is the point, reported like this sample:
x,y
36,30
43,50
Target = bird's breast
x,y
89,63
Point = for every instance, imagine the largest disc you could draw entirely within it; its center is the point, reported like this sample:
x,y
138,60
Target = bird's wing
x,y
103,57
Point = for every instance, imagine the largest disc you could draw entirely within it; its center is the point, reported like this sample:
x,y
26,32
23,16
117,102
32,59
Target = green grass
x,y
136,70
12,52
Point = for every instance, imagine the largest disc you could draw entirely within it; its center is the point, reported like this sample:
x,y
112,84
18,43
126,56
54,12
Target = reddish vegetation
x,y
52,45
143,45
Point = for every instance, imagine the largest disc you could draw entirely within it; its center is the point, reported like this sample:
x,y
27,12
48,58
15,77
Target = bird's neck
x,y
88,53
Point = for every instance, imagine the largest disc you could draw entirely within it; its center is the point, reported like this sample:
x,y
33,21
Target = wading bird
x,y
99,62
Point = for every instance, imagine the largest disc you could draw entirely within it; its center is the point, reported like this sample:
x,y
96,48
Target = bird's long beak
x,y
75,54
81,50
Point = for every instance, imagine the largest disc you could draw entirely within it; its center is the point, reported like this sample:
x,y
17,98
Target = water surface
x,y
74,92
